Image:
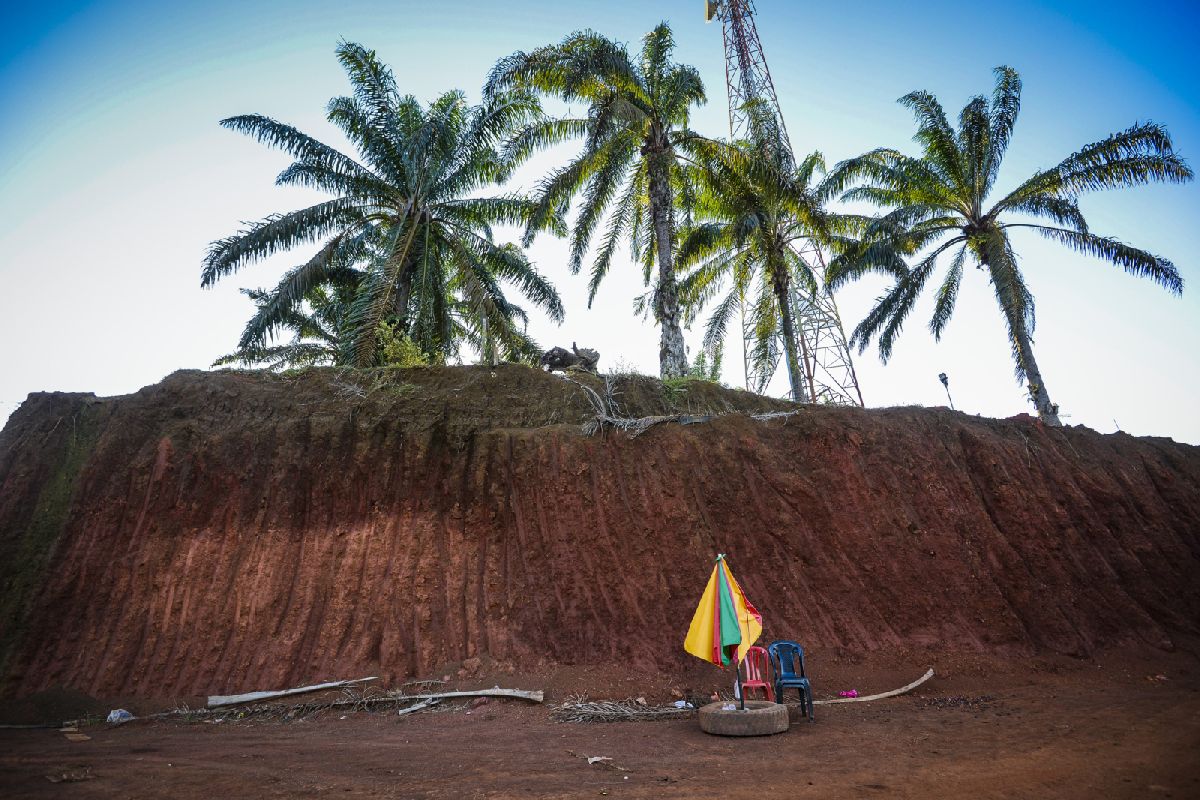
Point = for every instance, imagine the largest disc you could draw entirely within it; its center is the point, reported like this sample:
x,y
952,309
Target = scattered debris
x,y
72,775
850,693
980,703
218,700
417,707
868,698
580,709
77,737
559,358
119,716
369,699
604,761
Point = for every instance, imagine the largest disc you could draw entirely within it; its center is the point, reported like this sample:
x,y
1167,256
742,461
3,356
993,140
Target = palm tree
x,y
406,212
940,201
754,211
314,326
634,133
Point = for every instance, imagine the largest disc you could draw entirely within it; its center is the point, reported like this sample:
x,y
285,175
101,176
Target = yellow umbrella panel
x,y
725,624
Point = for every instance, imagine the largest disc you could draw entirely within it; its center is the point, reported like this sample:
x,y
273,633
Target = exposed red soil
x,y
227,532
983,728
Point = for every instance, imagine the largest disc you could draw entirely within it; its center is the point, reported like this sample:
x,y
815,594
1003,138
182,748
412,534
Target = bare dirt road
x,y
1116,729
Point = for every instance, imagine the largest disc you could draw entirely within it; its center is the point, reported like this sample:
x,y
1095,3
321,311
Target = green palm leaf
x,y
406,242
945,192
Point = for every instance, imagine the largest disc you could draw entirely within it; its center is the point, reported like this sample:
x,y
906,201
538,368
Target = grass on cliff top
x,y
507,395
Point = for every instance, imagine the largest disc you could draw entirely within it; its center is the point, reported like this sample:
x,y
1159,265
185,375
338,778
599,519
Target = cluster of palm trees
x,y
407,254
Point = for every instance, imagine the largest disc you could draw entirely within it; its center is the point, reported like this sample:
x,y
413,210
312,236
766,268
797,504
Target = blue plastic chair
x,y
787,662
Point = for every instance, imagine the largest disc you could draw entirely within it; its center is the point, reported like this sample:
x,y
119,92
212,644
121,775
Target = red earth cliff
x,y
226,531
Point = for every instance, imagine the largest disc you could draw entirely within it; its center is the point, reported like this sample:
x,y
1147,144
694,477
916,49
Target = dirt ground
x,y
1114,728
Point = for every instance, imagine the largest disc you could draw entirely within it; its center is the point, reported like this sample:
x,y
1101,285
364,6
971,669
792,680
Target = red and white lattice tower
x,y
828,370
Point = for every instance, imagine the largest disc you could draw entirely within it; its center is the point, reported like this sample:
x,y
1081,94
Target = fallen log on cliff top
x,y
218,700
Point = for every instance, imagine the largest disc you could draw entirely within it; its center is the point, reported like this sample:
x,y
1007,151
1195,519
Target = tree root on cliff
x,y
608,414
637,426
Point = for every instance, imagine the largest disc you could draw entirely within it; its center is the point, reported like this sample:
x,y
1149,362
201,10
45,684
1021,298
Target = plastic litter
x,y
119,716
851,693
729,707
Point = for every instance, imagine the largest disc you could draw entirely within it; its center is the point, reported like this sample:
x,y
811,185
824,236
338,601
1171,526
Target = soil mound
x,y
225,531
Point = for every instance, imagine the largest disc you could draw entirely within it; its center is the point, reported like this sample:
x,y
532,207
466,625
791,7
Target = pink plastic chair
x,y
756,673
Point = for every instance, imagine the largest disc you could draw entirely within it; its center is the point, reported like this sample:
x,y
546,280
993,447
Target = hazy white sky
x,y
114,176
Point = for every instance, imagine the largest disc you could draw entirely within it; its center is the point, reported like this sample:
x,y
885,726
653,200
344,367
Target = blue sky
x,y
114,175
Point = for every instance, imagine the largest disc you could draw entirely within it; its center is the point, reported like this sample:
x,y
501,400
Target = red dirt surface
x,y
983,728
223,532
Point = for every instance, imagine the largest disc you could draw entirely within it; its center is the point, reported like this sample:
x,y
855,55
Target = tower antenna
x,y
828,370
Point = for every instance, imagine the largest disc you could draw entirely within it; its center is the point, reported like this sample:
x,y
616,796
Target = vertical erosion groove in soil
x,y
220,531
43,454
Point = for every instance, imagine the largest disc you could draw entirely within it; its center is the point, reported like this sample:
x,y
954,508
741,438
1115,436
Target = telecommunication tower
x,y
828,370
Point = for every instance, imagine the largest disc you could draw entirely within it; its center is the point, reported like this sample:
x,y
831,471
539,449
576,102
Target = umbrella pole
x,y
740,691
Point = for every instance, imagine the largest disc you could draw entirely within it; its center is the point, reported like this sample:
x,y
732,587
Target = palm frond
x,y
947,294
1131,259
936,136
276,234
1006,105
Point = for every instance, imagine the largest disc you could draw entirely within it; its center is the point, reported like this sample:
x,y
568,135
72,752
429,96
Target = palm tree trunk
x,y
782,286
1047,411
403,295
672,356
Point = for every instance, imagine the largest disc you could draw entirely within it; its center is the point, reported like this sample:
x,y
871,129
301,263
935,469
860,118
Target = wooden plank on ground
x,y
218,700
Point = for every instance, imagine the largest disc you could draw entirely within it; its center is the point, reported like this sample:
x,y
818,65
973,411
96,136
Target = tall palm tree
x,y
940,201
755,210
634,133
939,204
406,211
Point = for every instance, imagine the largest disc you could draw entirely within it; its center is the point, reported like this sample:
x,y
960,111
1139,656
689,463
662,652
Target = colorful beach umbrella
x,y
726,624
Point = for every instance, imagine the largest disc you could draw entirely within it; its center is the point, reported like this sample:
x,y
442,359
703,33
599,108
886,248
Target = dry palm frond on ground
x,y
580,709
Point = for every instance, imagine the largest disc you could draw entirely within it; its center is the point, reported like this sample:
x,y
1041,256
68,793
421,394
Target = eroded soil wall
x,y
220,532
